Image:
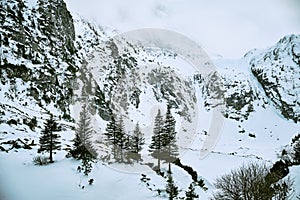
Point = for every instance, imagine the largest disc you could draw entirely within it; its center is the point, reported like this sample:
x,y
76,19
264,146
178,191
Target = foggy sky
x,y
229,28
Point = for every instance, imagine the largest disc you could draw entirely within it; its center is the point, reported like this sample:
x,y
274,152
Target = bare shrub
x,y
40,160
250,182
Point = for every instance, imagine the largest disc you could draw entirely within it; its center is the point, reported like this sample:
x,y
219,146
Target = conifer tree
x,y
49,139
117,138
171,188
138,139
110,135
122,143
83,149
170,148
136,142
120,133
296,149
83,134
296,154
101,104
191,194
110,131
156,143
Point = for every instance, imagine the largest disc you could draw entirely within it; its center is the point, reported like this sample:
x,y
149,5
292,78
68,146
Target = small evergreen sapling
x,y
191,194
91,181
171,188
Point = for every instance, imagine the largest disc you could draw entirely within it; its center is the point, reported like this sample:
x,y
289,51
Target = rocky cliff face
x,y
37,57
272,79
277,69
44,60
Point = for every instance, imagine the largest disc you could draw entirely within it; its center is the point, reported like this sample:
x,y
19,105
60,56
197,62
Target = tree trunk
x,y
158,164
51,146
169,158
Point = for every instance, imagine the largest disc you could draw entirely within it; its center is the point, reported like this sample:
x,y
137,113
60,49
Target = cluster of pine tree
x,y
172,190
190,193
82,146
125,147
163,145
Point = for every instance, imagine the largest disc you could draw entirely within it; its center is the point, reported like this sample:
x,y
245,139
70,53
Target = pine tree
x,y
135,143
138,139
296,149
120,133
110,131
121,136
156,143
49,139
296,154
101,104
110,135
171,188
83,149
170,148
191,194
117,138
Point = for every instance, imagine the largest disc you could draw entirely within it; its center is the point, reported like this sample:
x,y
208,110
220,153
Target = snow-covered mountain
x,y
52,60
37,59
277,69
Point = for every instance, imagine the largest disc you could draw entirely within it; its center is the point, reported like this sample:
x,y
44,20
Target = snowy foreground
x,y
21,179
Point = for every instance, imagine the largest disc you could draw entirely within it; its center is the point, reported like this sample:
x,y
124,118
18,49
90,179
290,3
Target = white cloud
x,y
229,28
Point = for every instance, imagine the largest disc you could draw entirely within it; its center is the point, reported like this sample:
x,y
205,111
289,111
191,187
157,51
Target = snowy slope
x,y
277,70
